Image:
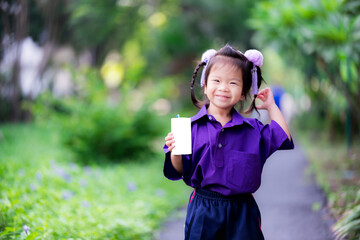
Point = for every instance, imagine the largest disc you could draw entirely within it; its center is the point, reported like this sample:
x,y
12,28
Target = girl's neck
x,y
221,115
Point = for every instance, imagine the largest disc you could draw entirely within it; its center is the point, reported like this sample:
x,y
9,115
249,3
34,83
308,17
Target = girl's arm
x,y
275,114
176,160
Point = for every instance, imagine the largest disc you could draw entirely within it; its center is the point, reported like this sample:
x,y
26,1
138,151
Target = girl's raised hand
x,y
267,98
169,141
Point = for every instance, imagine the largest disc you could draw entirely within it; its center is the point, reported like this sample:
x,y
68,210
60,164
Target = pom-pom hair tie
x,y
256,58
207,55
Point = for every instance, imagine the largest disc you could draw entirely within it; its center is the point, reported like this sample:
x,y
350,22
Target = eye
x,y
215,80
233,83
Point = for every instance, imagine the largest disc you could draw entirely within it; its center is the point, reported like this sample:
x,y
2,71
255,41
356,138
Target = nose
x,y
223,87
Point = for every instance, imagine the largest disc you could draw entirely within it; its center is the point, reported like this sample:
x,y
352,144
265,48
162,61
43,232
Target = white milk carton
x,y
181,128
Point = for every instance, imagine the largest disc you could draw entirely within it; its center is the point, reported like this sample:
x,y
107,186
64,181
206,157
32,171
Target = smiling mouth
x,y
222,96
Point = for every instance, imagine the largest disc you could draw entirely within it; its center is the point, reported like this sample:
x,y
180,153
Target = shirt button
x,y
210,118
220,145
222,130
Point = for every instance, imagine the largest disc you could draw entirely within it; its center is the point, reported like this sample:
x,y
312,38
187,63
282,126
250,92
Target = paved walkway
x,y
287,198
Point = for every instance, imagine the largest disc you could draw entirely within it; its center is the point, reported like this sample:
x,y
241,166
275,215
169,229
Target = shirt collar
x,y
237,118
200,114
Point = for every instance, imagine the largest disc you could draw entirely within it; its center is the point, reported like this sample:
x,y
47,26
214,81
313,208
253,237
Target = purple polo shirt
x,y
227,159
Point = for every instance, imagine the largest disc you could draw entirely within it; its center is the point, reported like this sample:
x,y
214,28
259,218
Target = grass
x,y
42,187
337,171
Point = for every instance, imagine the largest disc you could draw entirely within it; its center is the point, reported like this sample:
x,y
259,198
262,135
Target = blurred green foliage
x,y
322,38
43,188
190,28
349,226
100,124
102,25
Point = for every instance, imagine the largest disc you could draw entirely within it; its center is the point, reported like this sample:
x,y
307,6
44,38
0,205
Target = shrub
x,y
100,132
99,124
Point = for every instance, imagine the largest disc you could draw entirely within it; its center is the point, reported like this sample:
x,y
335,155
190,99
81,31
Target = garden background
x,y
88,88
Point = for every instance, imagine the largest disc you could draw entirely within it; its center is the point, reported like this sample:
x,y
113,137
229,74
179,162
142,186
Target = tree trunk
x,y
15,100
21,29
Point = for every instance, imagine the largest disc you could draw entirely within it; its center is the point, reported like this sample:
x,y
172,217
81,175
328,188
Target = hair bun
x,y
254,56
207,55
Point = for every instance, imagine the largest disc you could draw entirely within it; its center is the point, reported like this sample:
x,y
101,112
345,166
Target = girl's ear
x,y
242,98
205,89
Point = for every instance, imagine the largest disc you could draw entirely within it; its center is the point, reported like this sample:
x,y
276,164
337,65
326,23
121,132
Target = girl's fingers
x,y
265,90
171,148
266,97
170,136
169,141
261,97
264,93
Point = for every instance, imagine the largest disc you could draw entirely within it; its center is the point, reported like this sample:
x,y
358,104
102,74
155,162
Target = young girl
x,y
228,150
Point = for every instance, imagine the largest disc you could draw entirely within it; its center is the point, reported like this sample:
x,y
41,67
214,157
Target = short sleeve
x,y
169,170
273,138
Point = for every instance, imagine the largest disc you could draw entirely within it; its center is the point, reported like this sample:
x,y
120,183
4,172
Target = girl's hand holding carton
x,y
181,134
181,130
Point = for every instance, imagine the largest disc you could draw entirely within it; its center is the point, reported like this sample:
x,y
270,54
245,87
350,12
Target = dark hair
x,y
238,60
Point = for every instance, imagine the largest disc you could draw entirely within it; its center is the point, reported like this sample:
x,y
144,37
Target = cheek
x,y
208,89
239,93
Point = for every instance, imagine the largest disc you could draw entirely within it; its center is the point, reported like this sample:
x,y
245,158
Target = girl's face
x,y
224,87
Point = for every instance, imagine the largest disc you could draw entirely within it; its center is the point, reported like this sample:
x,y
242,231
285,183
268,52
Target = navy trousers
x,y
211,215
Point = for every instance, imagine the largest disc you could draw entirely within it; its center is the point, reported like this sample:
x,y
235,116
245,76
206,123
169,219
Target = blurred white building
x,y
56,78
